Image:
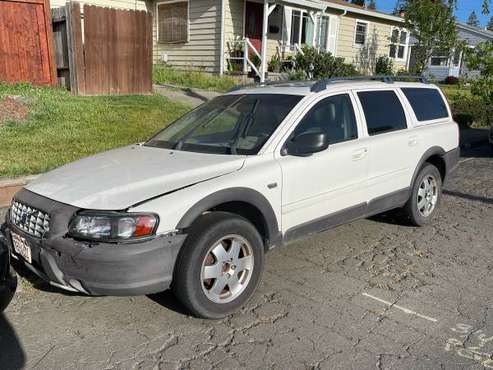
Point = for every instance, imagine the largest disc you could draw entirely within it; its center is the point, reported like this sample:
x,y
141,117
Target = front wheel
x,y
219,266
426,193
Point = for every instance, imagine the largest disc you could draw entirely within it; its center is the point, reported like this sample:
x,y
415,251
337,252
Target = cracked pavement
x,y
427,303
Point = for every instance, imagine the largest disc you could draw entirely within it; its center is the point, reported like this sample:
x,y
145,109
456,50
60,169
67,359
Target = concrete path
x,y
193,97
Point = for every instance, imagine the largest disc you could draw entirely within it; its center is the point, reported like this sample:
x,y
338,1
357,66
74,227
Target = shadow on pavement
x,y
12,356
468,196
169,301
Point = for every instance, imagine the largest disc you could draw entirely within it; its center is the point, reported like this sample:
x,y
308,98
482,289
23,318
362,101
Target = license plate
x,y
21,247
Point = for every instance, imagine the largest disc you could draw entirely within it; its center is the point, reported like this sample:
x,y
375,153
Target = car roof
x,y
305,88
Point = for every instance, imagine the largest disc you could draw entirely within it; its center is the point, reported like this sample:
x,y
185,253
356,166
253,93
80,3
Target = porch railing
x,y
247,47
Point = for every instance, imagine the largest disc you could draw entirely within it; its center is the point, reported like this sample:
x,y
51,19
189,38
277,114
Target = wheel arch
x,y
433,155
244,202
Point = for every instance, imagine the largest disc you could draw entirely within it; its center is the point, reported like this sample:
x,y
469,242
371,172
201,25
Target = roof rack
x,y
259,84
322,84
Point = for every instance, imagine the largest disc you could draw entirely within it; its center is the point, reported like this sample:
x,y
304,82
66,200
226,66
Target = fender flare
x,y
237,194
434,150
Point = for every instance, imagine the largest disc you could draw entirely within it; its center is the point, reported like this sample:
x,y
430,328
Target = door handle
x,y
359,154
413,141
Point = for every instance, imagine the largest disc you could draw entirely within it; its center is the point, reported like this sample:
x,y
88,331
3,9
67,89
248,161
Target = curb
x,y
8,187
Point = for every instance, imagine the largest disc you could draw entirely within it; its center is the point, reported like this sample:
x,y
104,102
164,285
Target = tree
x,y
486,6
372,5
481,58
473,20
433,25
489,27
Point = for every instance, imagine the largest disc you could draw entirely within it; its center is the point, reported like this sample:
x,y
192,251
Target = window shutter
x,y
332,34
286,27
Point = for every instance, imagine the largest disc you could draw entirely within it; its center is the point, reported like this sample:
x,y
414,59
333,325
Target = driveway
x,y
371,294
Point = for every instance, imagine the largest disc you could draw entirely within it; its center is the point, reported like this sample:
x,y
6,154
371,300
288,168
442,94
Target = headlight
x,y
113,226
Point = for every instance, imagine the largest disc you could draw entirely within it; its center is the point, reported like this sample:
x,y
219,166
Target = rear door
x,y
392,145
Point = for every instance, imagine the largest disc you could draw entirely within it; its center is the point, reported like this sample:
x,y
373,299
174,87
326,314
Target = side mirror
x,y
307,143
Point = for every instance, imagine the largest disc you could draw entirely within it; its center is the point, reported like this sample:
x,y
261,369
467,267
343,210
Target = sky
x,y
464,9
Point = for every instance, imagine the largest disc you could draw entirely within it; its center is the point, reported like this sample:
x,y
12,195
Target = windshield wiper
x,y
243,127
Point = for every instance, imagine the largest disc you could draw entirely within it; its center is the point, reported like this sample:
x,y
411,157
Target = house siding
x,y
233,25
202,51
378,40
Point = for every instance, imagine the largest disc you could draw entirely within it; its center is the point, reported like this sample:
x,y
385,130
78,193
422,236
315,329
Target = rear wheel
x,y
219,266
426,193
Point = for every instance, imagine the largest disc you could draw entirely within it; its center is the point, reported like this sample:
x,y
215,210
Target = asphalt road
x,y
373,294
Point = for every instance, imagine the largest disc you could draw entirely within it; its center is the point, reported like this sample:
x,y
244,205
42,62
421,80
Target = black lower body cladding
x,y
123,269
451,159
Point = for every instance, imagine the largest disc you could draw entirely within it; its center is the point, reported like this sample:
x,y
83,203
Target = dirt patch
x,y
13,108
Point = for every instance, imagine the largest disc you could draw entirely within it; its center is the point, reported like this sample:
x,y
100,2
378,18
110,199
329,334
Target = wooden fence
x,y
26,42
103,50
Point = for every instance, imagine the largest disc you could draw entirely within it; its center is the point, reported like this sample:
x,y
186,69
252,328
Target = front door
x,y
253,24
330,181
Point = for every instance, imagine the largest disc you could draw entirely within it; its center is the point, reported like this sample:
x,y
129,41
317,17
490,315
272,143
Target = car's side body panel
x,y
260,174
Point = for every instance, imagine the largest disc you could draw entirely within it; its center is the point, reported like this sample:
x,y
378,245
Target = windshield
x,y
229,124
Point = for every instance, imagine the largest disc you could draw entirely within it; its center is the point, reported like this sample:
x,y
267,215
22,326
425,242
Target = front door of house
x,y
253,24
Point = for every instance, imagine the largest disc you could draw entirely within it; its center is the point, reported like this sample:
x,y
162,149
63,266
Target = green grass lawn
x,y
61,128
194,79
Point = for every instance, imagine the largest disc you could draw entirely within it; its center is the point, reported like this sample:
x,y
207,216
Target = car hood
x,y
120,178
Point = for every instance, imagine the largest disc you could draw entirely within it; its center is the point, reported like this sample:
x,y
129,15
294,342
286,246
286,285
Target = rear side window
x,y
427,104
383,111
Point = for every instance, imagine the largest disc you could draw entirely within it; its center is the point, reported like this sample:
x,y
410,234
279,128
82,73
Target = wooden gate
x,y
109,51
26,42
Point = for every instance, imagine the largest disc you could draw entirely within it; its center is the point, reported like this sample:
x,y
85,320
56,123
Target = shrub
x,y
384,66
315,64
275,64
451,80
469,110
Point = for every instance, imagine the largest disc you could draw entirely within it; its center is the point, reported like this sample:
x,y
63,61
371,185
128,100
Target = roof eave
x,y
368,13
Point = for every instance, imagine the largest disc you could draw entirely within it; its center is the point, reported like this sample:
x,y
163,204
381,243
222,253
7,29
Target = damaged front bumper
x,y
120,269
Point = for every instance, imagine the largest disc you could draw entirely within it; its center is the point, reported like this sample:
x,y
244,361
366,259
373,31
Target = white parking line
x,y
404,309
465,160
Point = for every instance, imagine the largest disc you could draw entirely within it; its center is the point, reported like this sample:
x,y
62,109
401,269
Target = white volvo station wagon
x,y
196,207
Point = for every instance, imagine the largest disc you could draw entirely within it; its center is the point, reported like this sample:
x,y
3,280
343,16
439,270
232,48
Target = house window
x,y
361,32
439,59
302,28
172,21
398,44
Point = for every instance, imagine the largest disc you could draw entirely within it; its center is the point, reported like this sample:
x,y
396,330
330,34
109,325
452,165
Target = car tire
x,y
219,266
426,193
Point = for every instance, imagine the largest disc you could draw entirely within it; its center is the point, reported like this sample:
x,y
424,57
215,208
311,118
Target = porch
x,y
257,31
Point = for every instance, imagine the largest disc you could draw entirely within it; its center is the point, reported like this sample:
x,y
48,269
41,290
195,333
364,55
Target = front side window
x,y
172,19
383,111
229,124
333,116
361,32
398,44
427,104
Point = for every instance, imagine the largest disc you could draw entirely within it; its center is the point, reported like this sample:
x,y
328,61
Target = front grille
x,y
29,219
